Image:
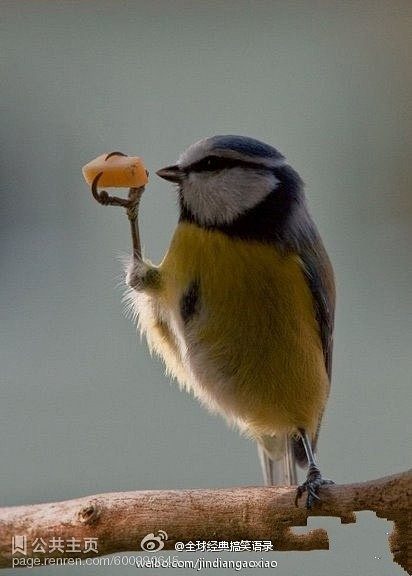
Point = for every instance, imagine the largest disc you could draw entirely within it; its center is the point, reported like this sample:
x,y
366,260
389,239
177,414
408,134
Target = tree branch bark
x,y
119,521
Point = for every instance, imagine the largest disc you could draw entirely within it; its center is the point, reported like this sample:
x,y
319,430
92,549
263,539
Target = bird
x,y
241,308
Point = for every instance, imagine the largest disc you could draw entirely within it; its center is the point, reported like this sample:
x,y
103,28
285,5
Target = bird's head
x,y
224,180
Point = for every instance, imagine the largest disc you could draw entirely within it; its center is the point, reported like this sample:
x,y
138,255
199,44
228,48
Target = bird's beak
x,y
171,173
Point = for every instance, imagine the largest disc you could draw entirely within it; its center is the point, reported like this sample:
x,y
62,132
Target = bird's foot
x,y
311,485
131,203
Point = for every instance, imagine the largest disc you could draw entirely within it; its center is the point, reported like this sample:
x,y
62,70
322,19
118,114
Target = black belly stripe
x,y
190,302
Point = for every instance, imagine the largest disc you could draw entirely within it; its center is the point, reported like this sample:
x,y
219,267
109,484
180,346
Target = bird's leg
x,y
132,211
314,478
140,274
131,203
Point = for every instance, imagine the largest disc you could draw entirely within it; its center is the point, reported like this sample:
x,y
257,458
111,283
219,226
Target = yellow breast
x,y
253,351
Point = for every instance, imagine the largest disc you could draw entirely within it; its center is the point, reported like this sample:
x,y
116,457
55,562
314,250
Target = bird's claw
x,y
311,485
131,204
105,199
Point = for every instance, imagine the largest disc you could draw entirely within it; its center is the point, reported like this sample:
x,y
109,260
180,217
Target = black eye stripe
x,y
214,163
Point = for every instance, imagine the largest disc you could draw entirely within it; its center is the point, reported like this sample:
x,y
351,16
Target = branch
x,y
119,521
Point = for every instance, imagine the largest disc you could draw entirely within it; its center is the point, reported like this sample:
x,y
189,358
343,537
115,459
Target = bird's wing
x,y
319,274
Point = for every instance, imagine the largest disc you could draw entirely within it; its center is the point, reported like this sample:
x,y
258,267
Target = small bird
x,y
241,309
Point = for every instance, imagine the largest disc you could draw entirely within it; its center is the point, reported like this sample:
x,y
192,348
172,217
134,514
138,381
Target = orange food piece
x,y
118,171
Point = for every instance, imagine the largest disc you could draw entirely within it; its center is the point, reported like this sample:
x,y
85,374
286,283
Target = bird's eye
x,y
209,163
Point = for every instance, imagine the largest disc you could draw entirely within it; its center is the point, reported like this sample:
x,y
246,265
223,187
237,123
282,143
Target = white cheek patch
x,y
219,198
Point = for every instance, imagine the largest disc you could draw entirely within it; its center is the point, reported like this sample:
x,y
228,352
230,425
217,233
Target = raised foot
x,y
131,203
311,485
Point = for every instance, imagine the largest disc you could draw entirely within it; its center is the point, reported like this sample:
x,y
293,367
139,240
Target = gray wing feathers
x,y
319,273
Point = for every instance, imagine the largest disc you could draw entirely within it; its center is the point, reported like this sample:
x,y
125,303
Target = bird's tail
x,y
277,459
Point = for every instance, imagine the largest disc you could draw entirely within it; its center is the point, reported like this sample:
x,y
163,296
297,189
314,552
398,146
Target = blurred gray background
x,y
84,409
